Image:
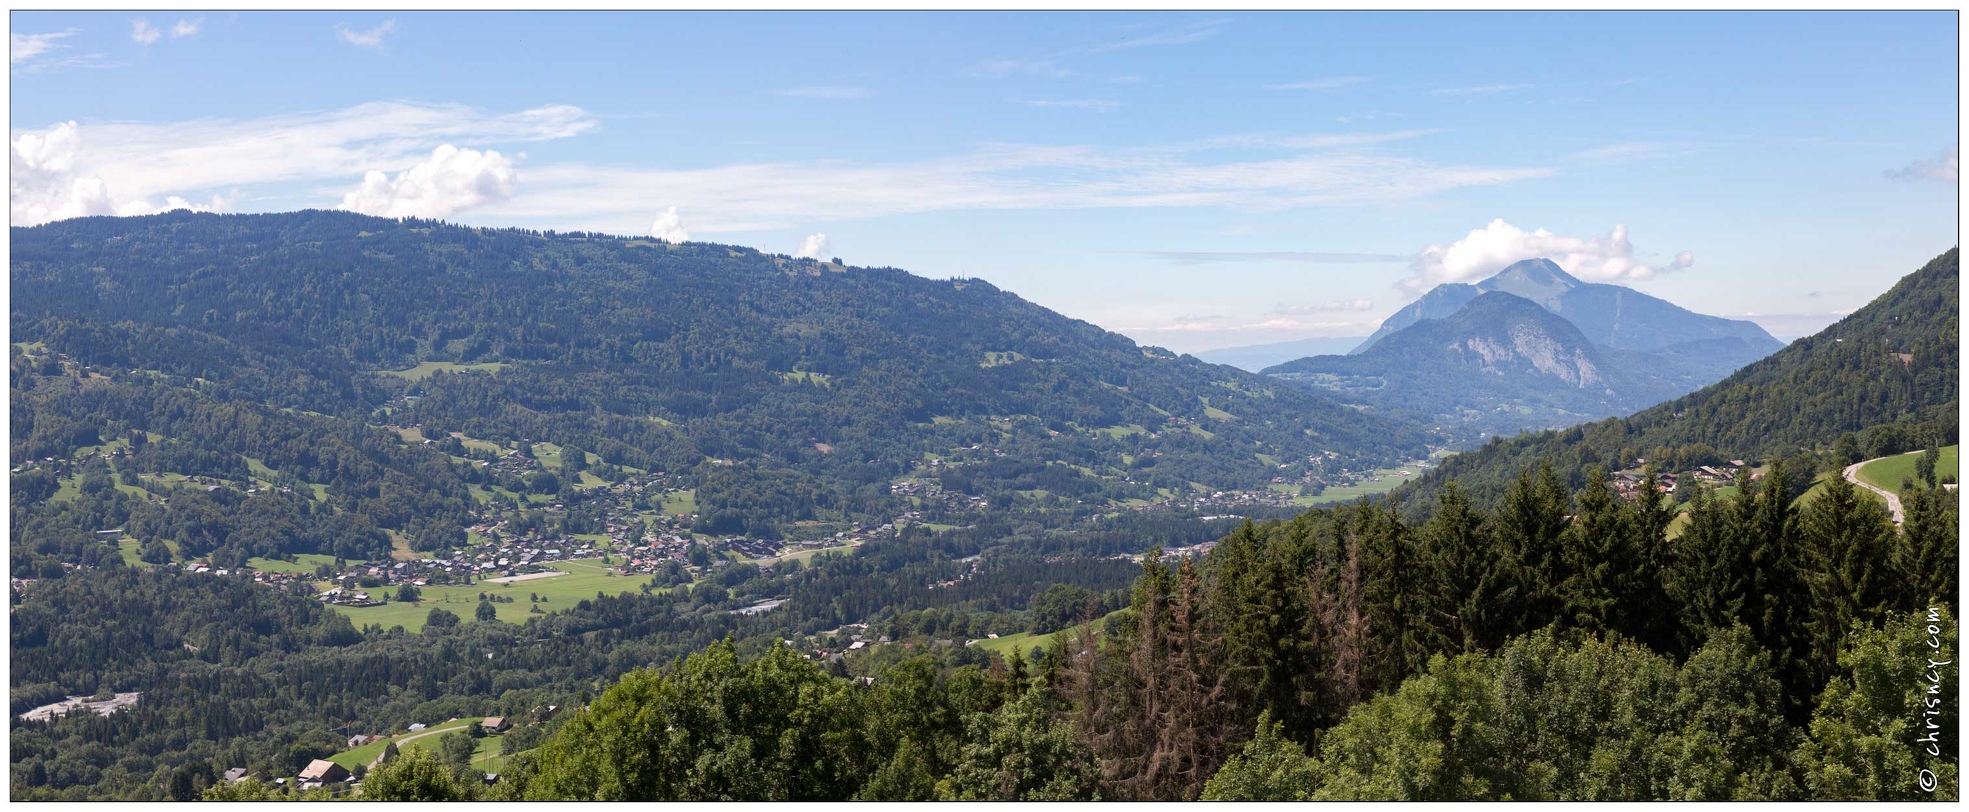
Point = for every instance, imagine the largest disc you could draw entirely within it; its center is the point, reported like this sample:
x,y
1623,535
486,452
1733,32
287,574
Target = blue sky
x,y
1192,180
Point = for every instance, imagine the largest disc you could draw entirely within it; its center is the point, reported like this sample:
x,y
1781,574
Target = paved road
x,y
1852,474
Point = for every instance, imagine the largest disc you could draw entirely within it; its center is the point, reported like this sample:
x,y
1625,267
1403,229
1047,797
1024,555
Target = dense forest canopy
x,y
660,356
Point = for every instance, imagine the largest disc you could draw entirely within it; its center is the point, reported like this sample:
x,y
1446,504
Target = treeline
x,y
1560,647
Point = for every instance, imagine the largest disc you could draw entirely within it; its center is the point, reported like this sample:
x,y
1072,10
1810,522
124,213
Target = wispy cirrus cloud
x,y
1182,34
1096,105
1002,68
1480,90
830,92
1307,257
1328,83
371,39
1620,153
1942,168
753,197
26,47
321,158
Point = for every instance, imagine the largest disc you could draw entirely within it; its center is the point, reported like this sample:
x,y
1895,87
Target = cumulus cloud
x,y
669,226
142,31
1941,168
24,47
373,38
451,180
1485,251
186,28
1336,306
46,186
814,246
116,168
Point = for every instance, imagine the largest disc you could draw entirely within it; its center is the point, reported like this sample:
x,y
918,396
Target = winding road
x,y
1852,474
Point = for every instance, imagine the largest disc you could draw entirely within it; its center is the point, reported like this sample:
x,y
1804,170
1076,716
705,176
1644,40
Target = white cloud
x,y
1336,306
814,246
669,226
1176,35
1941,168
1328,83
1097,105
186,28
832,92
46,186
1001,68
1618,153
451,180
24,47
373,38
1490,249
1479,90
142,31
115,168
754,197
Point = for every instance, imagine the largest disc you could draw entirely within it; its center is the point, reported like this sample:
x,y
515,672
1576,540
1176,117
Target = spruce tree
x,y
1531,525
1925,553
1468,574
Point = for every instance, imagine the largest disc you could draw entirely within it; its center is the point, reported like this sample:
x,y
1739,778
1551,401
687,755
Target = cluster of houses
x,y
323,772
1628,483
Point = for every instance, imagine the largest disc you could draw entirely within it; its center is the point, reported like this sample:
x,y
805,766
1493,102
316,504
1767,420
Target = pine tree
x,y
1531,525
1925,553
1846,542
1469,575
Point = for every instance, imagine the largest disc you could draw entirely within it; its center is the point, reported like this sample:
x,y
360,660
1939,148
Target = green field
x,y
679,502
1886,473
1024,642
584,578
1368,487
303,563
486,757
426,369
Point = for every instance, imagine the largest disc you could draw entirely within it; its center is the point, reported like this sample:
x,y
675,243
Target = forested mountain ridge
x,y
1886,373
662,356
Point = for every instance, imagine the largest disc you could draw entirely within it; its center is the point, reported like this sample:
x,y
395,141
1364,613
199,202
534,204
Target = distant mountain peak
x,y
1540,280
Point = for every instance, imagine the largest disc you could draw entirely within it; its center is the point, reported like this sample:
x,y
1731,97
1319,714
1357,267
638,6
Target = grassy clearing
x,y
584,578
429,368
1215,413
1379,482
303,563
680,502
1025,642
1887,473
815,378
1118,432
427,739
803,555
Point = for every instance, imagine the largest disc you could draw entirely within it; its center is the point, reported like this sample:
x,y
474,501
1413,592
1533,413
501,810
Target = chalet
x,y
495,724
323,771
236,775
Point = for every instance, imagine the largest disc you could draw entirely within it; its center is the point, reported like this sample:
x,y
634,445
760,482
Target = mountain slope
x,y
1887,372
1611,316
667,357
1256,357
1498,363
